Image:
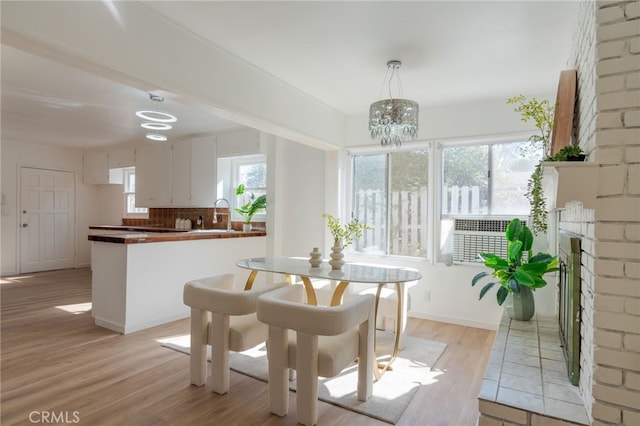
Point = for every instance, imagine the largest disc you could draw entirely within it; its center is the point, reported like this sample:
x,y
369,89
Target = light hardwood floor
x,y
55,360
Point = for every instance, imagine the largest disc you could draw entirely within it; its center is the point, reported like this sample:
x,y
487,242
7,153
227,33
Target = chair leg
x,y
220,353
278,356
366,358
198,357
307,383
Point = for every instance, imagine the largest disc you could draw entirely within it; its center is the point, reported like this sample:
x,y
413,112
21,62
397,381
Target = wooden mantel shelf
x,y
566,181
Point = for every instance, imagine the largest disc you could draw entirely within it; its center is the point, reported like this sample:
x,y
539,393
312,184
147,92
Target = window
x,y
390,195
488,179
130,209
252,172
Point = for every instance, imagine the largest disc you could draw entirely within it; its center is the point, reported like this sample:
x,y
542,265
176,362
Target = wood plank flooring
x,y
55,361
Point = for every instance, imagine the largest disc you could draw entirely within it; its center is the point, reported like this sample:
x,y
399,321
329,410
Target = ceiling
x,y
336,52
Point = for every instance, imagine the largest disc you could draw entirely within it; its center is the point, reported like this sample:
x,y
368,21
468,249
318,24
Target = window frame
x,y
349,182
126,175
434,186
236,163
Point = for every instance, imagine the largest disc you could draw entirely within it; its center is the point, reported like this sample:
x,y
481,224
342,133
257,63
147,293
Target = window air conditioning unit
x,y
473,236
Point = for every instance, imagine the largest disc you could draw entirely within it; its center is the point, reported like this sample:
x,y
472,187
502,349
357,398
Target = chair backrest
x,y
284,308
217,294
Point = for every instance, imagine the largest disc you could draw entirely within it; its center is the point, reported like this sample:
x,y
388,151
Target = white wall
x,y
300,196
15,155
478,119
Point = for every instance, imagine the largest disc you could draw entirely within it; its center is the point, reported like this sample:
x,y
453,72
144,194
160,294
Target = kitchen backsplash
x,y
166,218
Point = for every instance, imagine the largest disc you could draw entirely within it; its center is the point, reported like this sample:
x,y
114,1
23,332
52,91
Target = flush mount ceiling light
x,y
156,137
393,120
156,126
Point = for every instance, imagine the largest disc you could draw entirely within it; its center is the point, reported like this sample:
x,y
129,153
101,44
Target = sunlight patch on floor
x,y
77,308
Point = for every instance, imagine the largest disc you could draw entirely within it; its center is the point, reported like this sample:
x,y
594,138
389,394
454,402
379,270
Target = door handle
x,y
24,225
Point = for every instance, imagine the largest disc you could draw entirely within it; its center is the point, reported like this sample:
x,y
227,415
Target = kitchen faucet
x,y
215,215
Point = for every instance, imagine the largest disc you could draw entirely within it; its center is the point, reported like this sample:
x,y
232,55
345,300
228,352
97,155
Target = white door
x,y
47,218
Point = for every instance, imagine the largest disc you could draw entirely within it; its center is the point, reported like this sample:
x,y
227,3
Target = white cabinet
x,y
122,158
203,171
153,175
193,173
100,167
96,168
183,174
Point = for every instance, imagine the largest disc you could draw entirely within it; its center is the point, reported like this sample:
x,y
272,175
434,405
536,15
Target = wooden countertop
x,y
138,236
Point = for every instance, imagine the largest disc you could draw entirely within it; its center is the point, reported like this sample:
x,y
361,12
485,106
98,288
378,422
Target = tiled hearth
x,y
526,382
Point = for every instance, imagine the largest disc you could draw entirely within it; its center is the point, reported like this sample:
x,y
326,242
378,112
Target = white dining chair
x,y
325,340
225,319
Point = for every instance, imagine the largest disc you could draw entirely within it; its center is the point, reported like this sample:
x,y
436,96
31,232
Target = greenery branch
x,y
251,207
344,234
542,114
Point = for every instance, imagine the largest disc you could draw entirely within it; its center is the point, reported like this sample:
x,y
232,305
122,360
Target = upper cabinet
x,y
99,166
180,174
122,158
153,175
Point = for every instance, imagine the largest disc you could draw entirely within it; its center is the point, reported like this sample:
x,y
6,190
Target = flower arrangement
x,y
344,234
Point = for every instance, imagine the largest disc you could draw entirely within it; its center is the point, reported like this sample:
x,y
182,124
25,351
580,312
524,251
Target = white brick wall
x,y
606,53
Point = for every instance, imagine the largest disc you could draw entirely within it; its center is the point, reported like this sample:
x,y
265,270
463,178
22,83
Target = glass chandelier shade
x,y
393,120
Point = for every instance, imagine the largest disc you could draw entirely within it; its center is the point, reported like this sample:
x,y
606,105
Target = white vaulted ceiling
x,y
332,52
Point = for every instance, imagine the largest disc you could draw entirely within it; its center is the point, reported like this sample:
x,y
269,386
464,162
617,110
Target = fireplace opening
x,y
569,306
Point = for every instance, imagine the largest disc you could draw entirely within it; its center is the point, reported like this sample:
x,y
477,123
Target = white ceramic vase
x,y
246,227
337,256
315,258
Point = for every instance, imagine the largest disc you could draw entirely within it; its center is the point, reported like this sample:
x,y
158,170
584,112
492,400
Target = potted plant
x,y
568,153
343,236
517,276
541,113
251,207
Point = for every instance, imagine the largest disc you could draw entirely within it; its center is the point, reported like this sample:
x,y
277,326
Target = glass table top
x,y
351,271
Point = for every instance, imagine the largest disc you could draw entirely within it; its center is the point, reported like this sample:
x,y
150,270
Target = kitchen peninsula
x,y
138,277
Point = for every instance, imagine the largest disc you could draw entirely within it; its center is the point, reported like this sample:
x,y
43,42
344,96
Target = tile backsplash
x,y
166,218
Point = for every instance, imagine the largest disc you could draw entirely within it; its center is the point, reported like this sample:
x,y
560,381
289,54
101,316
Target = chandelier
x,y
393,120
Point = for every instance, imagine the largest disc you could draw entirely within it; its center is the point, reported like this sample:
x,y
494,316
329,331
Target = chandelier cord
x,y
383,81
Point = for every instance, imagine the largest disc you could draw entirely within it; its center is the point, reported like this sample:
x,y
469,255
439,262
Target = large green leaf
x,y
541,258
514,250
513,230
501,295
485,289
539,282
527,238
478,277
523,277
535,268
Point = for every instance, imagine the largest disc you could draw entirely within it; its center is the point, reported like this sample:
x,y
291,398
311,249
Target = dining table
x,y
377,274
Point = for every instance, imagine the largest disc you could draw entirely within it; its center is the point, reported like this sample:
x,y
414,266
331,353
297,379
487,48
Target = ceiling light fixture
x,y
158,116
159,120
393,120
156,126
156,137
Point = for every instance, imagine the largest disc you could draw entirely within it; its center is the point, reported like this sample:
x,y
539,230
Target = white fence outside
x,y
463,200
407,219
